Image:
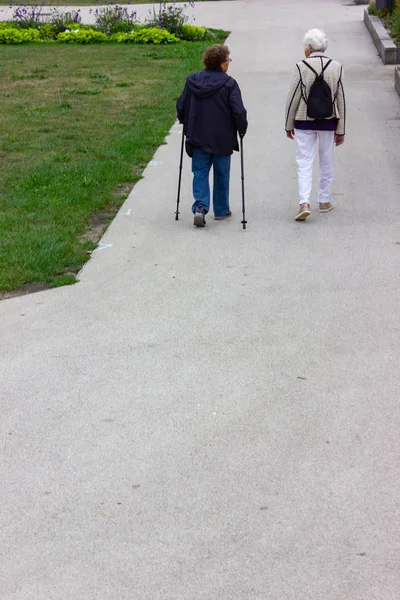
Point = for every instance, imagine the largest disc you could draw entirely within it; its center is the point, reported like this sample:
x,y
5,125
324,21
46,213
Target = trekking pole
x,y
180,176
244,222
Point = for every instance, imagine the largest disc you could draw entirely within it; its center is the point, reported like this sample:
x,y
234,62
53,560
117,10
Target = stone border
x,y
397,79
388,51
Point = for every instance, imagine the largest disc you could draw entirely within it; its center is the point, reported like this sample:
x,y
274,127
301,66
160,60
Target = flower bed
x,y
386,46
390,21
114,23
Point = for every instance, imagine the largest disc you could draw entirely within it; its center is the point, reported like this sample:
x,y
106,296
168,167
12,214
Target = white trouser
x,y
306,144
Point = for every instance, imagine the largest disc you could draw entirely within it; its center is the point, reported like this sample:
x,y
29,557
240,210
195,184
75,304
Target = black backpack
x,y
319,101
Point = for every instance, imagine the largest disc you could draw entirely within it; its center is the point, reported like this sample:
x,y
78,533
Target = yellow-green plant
x,y
151,35
11,35
47,31
82,36
193,33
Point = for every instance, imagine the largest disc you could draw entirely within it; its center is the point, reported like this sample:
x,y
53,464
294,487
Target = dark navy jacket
x,y
212,112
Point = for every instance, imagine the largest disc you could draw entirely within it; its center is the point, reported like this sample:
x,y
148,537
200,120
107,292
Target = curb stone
x,y
388,51
397,79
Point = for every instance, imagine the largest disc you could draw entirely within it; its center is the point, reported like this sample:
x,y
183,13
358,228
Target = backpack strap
x,y
327,65
302,86
323,67
310,67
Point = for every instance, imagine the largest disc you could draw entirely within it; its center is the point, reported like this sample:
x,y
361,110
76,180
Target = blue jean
x,y
201,165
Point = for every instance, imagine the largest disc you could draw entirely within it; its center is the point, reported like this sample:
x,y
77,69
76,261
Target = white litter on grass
x,y
102,246
155,163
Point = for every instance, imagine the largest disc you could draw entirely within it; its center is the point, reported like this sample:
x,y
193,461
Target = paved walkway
x,y
214,414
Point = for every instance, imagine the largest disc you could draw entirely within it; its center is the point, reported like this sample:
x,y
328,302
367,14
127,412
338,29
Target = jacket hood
x,y
206,83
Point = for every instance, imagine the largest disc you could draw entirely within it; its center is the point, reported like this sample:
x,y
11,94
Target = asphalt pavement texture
x,y
213,414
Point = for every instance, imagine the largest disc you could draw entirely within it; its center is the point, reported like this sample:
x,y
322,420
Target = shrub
x,y
372,10
66,20
192,33
47,31
12,35
378,12
394,23
114,19
82,36
171,18
146,36
391,21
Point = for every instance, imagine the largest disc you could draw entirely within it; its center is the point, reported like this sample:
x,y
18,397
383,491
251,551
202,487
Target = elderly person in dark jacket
x,y
212,112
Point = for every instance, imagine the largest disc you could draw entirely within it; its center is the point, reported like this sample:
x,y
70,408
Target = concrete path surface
x,y
214,414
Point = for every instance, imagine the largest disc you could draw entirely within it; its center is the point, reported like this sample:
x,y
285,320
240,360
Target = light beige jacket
x,y
302,80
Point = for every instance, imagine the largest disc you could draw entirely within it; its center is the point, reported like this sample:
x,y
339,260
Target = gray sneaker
x,y
304,212
199,218
228,214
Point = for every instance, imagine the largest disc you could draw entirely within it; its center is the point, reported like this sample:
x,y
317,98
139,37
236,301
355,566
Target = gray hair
x,y
317,39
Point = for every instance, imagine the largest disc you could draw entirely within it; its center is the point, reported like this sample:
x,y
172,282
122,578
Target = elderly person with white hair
x,y
316,112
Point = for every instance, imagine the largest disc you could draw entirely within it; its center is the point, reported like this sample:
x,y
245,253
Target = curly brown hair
x,y
214,56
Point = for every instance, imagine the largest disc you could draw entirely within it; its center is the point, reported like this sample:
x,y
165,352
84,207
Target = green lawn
x,y
77,126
